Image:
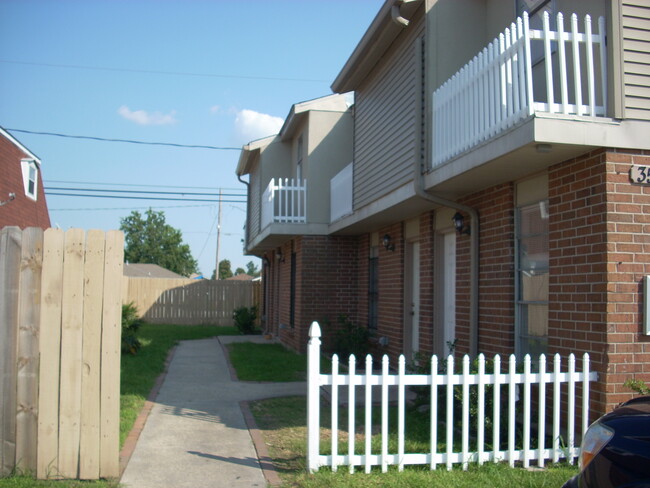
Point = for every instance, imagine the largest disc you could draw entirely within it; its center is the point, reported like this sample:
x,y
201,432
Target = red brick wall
x,y
496,273
23,211
391,290
426,282
578,254
600,252
326,286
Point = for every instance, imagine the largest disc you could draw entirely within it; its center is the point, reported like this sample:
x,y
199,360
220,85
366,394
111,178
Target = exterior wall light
x,y
388,243
459,224
279,256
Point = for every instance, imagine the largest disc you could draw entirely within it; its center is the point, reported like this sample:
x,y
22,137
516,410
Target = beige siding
x,y
255,203
385,121
636,58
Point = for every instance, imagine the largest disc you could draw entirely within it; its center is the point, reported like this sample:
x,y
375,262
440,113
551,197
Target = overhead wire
x,y
127,141
160,72
144,192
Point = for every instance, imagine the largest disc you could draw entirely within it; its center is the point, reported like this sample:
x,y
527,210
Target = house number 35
x,y
640,174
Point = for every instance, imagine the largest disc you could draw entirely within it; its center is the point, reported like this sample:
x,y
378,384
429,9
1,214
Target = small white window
x,y
30,178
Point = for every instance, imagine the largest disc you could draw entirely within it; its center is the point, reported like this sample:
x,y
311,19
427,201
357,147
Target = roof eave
x,y
375,42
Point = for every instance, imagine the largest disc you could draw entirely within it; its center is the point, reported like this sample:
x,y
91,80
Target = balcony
x,y
284,201
523,72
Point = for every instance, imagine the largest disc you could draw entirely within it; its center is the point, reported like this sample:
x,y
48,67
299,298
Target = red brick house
x,y
22,197
498,197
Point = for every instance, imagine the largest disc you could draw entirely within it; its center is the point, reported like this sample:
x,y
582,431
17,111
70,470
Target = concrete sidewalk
x,y
196,434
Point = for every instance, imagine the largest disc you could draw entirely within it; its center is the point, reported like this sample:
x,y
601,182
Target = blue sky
x,y
217,73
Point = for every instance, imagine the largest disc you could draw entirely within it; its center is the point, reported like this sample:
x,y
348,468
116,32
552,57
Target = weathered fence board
x,y
10,242
50,346
28,350
190,302
71,342
60,317
91,352
111,349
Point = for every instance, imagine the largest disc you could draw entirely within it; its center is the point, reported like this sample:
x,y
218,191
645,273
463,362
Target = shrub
x,y
131,322
244,318
637,386
351,339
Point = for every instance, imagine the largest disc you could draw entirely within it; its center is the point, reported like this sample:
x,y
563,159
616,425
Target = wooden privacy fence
x,y
514,392
60,326
190,302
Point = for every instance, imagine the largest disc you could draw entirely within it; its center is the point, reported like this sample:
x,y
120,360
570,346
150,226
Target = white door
x,y
412,300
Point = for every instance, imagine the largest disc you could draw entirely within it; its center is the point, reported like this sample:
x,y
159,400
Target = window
x,y
536,9
373,287
531,227
30,178
299,156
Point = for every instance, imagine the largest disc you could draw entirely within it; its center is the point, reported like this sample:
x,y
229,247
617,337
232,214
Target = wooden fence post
x,y
10,243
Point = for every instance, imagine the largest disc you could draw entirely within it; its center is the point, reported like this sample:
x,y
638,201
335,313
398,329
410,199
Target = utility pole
x,y
216,272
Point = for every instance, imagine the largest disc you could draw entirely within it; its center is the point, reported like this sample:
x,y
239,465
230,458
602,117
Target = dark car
x,y
616,449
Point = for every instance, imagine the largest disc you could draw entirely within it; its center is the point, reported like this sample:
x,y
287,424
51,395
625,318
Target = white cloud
x,y
142,117
251,125
215,109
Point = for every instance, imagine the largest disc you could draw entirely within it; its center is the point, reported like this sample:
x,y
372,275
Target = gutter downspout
x,y
418,185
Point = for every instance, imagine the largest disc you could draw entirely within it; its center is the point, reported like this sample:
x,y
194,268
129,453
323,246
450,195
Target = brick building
x,y
485,209
22,197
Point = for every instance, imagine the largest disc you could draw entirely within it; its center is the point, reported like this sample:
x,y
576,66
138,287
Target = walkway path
x,y
196,435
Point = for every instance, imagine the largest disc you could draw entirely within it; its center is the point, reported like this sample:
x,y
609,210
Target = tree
x,y
239,271
252,269
152,240
225,269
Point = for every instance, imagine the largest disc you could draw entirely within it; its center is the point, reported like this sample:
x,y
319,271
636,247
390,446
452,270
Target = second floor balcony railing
x,y
284,201
496,89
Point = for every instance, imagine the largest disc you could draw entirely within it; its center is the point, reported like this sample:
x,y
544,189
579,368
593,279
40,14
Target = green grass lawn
x,y
266,362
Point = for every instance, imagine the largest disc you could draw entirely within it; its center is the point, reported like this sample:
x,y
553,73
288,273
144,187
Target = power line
x,y
127,141
144,192
160,72
143,198
77,209
102,183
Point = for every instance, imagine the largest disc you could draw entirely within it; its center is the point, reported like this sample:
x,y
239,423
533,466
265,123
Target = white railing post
x,y
335,411
433,413
313,397
368,402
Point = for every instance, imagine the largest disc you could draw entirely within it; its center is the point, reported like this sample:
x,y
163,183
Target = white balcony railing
x,y
341,193
496,89
284,201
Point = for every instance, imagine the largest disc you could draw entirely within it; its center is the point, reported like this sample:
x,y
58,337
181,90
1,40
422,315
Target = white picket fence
x,y
378,386
495,89
284,201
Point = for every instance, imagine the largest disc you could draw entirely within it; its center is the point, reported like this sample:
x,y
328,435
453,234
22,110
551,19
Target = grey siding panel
x,y
385,121
255,204
636,58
